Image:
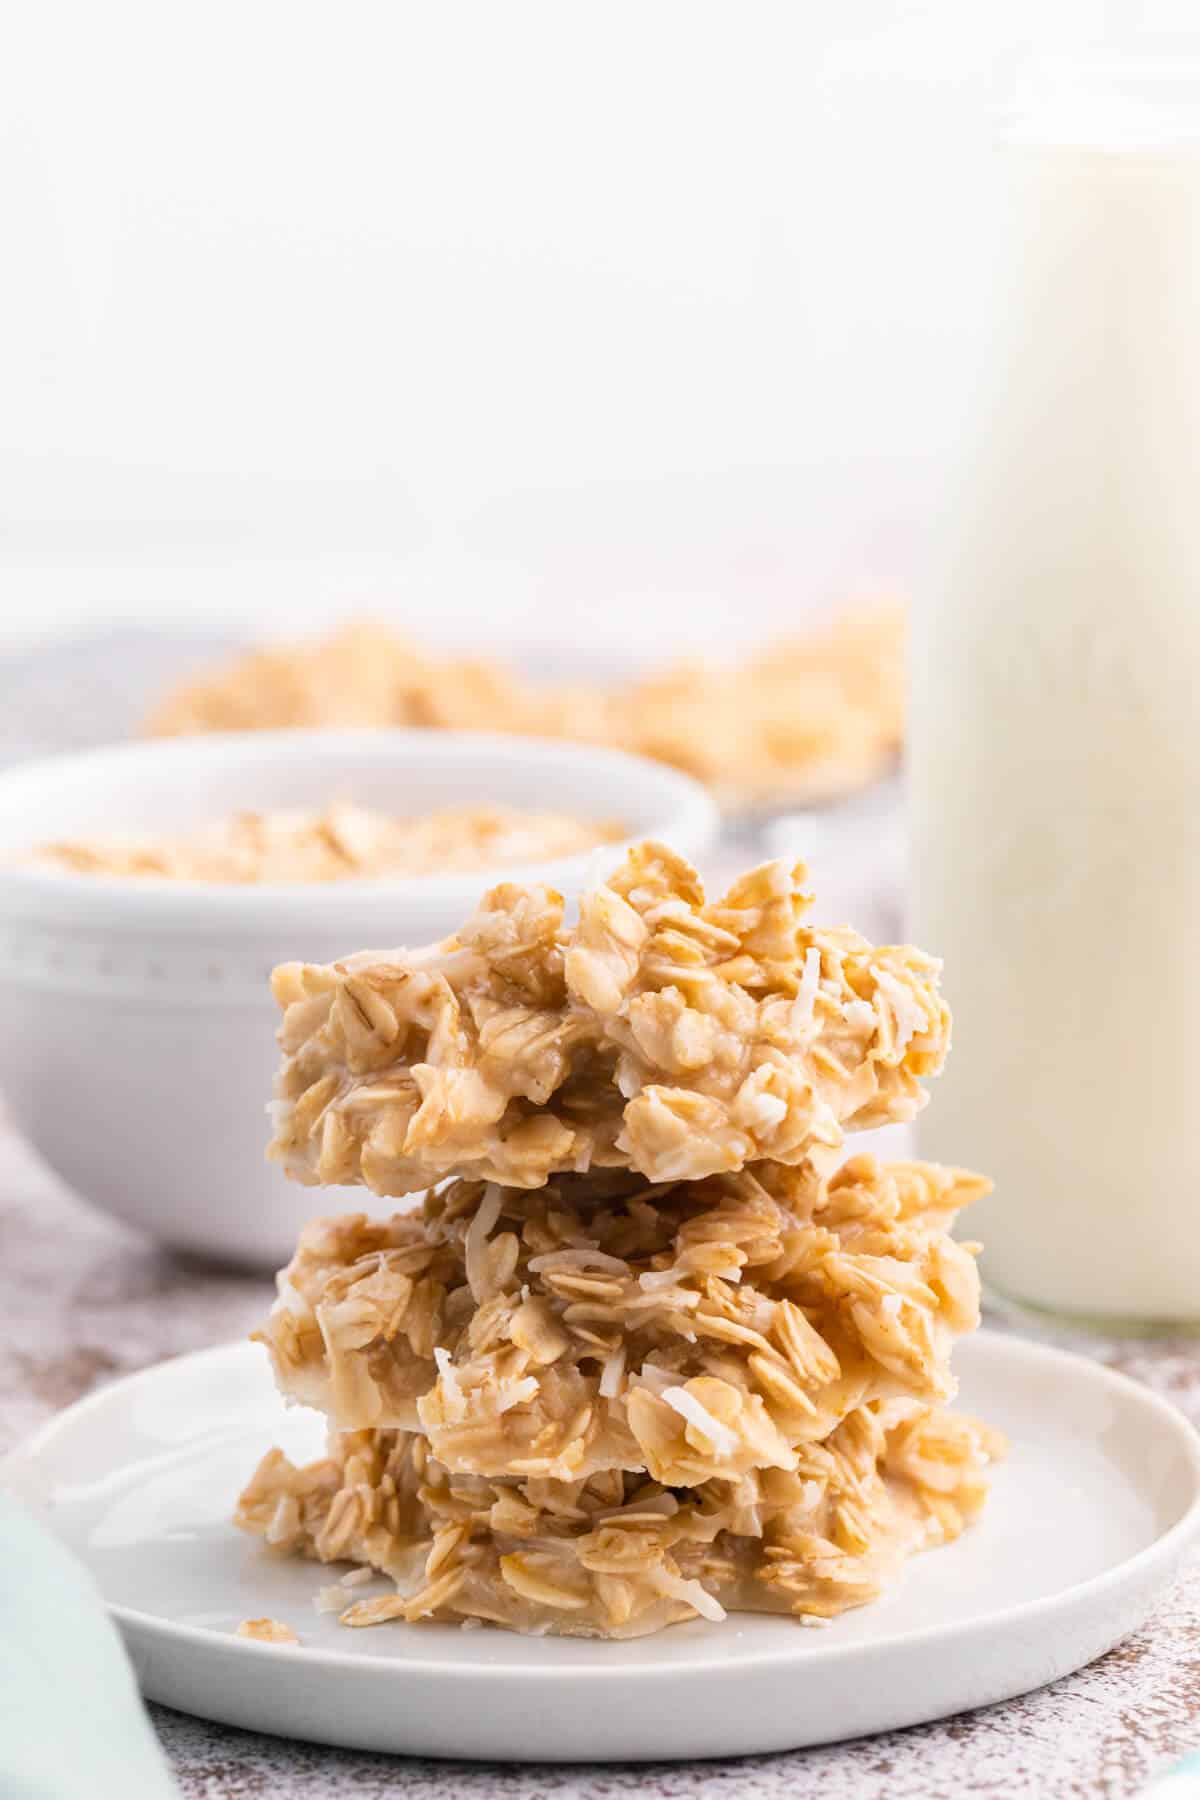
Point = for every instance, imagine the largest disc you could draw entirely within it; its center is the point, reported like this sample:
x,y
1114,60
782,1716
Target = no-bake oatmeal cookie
x,y
662,1032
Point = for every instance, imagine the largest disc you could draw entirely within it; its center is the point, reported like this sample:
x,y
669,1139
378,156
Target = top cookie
x,y
664,1033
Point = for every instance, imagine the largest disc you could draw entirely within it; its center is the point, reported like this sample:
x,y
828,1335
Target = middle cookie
x,y
695,1330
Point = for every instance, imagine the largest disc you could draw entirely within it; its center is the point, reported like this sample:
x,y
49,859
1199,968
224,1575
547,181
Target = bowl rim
x,y
687,817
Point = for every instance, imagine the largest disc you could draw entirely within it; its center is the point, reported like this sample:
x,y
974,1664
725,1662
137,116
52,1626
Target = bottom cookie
x,y
619,1555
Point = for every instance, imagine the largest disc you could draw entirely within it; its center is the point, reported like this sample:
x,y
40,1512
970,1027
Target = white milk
x,y
1056,749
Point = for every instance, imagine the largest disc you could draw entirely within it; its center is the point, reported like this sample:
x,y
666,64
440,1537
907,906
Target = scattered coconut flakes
x,y
724,1442
329,1599
471,1624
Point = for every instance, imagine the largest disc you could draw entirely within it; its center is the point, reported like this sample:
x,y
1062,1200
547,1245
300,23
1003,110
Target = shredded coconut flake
x,y
612,1374
285,1520
910,1016
656,1379
677,1587
628,1079
515,1393
654,1279
763,1112
724,1442
290,1298
453,1398
801,1014
763,1314
478,1232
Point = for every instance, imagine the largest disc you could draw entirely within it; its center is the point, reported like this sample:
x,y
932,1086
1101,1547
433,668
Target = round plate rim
x,y
1164,1548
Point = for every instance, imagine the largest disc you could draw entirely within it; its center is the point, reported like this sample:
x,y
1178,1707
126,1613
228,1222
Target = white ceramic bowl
x,y
136,1025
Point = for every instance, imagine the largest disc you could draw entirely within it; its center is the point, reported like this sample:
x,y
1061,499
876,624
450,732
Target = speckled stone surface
x,y
82,1301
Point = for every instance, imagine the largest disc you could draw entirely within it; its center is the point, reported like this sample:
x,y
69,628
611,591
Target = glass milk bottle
x,y
1055,774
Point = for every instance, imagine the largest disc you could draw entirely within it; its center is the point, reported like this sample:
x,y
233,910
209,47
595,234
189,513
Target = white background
x,y
634,322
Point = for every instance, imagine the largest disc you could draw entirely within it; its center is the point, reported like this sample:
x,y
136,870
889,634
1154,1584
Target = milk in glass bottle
x,y
1055,773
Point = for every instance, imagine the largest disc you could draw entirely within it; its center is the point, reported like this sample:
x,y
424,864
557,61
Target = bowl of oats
x,y
147,890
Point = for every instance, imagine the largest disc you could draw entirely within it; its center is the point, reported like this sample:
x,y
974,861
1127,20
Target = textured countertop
x,y
82,1300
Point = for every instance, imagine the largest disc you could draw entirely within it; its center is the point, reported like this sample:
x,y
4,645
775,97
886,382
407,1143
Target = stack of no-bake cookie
x,y
646,1351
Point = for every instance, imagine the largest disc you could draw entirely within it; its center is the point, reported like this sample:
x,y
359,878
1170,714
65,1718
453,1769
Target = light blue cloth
x,y
1180,1782
72,1726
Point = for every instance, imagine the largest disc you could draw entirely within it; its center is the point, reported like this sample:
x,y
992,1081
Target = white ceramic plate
x,y
1089,1519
